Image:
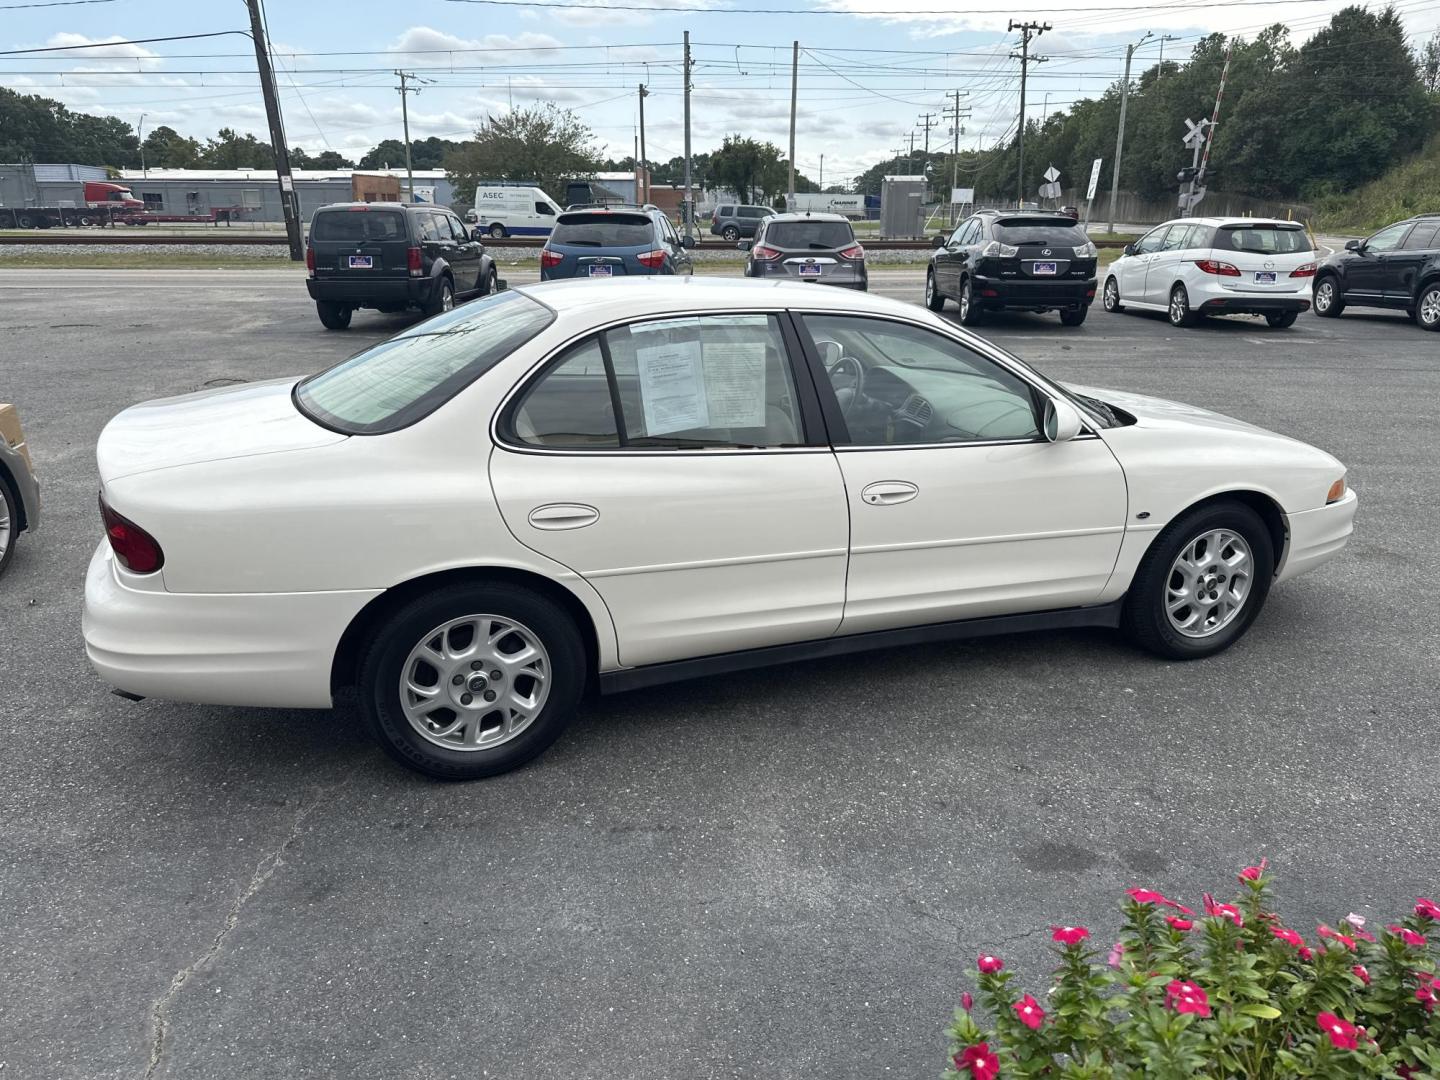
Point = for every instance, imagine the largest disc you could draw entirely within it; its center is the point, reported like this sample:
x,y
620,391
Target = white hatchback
x,y
564,487
1194,267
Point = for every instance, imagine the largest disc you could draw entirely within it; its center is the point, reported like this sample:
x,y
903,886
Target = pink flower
x,y
966,1001
1177,923
1069,935
1187,997
1179,907
1326,932
1408,936
1306,954
1360,973
1342,1033
1356,921
1426,996
1427,909
1223,911
1252,873
1290,937
989,964
1030,1013
979,1061
1146,896
1117,952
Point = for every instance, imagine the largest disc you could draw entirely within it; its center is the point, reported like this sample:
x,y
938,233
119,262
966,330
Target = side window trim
x,y
613,386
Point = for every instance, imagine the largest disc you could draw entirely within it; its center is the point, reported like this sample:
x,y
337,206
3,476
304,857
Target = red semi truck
x,y
104,203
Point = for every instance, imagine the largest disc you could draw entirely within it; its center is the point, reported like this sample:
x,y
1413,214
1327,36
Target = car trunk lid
x,y
360,243
1266,254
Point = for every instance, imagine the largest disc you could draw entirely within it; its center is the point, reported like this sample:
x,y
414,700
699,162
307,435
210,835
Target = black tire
x,y
497,231
934,299
971,313
1178,310
1328,304
1073,317
11,505
86,220
387,651
730,233
24,221
491,281
444,292
1279,320
1144,619
1427,307
334,316
1111,295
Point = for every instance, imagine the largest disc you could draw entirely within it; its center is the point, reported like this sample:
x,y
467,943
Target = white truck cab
x,y
505,210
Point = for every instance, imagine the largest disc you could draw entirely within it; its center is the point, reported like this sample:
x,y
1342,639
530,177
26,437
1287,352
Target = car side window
x,y
1422,237
669,230
1387,239
570,406
1151,241
1178,237
457,230
429,228
902,385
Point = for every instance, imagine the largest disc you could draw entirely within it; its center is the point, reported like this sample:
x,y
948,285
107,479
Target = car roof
x,y
806,215
619,211
1228,221
626,298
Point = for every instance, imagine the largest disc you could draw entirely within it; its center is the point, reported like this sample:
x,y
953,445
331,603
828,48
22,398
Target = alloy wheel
x,y
475,682
1209,583
1112,295
7,528
929,289
965,302
447,298
1324,296
1179,306
1429,311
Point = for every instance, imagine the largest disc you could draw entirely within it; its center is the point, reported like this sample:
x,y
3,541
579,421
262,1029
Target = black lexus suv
x,y
1027,260
1398,267
393,257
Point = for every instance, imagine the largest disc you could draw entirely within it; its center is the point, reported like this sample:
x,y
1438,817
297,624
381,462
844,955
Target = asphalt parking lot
x,y
785,873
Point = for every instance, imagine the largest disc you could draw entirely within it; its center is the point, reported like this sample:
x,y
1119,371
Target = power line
x,y
53,3
113,44
939,15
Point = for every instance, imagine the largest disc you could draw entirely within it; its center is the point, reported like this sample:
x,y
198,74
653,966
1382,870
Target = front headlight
x,y
1087,250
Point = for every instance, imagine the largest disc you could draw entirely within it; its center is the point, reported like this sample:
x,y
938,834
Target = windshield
x,y
357,225
809,234
1263,239
1039,231
603,230
399,381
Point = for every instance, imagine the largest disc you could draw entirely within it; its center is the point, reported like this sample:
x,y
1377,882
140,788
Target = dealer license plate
x,y
1264,277
601,270
810,269
362,262
1044,268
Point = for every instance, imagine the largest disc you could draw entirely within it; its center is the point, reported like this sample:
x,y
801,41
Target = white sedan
x,y
573,486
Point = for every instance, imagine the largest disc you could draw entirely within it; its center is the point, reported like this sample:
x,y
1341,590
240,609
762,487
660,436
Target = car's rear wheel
x,y
333,316
970,311
731,233
1328,301
492,280
1179,310
1073,317
1427,309
9,523
497,231
472,681
1202,583
444,298
1111,296
1279,320
933,298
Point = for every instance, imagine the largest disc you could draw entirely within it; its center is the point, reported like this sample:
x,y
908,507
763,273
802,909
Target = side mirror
x,y
938,242
1062,420
745,245
1354,245
1129,249
687,241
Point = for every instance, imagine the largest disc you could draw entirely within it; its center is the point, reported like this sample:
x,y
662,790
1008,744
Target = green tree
x,y
752,169
166,148
230,150
328,159
543,145
1430,63
34,128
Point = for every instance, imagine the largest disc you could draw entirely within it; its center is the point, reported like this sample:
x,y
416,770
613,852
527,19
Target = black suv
x,y
734,220
1398,267
393,257
1030,260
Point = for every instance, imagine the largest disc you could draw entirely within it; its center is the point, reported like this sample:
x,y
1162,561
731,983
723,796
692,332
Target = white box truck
x,y
816,203
505,210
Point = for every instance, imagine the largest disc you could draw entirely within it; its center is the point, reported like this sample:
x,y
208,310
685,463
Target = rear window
x,y
358,225
1262,239
1039,231
813,234
399,381
603,230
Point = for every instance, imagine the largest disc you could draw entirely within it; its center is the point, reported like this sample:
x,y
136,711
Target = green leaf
x,y
1264,1012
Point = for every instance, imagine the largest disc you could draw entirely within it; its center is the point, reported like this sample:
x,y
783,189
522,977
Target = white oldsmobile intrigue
x,y
574,485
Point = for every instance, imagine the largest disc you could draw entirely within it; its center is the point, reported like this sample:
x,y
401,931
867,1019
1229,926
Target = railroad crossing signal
x,y
1195,136
1190,199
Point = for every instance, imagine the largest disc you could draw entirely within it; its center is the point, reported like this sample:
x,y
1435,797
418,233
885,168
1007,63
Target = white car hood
x,y
1158,412
229,422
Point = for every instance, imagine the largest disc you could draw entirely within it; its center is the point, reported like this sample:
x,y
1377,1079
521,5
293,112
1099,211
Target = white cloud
x,y
423,44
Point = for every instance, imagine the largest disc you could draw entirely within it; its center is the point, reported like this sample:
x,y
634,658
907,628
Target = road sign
x,y
1094,179
1196,133
962,196
1050,191
1051,174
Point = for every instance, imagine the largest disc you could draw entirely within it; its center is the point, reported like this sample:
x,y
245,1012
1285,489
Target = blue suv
x,y
609,242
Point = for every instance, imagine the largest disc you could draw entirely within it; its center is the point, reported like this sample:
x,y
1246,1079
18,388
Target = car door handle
x,y
889,492
556,516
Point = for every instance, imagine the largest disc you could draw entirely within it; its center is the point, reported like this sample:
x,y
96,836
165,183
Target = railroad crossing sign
x,y
1195,136
1052,174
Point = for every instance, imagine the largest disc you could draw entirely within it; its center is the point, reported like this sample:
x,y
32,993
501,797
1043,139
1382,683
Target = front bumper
x,y
376,292
996,292
1316,536
267,649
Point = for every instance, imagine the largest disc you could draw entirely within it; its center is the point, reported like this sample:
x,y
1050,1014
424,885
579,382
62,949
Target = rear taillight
x,y
652,259
310,260
1222,269
136,549
760,251
1308,270
550,258
854,251
412,261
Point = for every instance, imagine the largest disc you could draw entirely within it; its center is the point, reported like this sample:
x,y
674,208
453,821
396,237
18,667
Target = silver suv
x,y
734,220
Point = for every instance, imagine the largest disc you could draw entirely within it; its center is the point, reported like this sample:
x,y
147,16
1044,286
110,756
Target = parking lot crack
x,y
264,870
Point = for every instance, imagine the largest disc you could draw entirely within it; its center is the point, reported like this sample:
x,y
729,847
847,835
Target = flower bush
x,y
1229,992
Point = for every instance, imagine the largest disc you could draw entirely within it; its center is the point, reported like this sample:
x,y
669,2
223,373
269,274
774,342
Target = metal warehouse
x,y
198,191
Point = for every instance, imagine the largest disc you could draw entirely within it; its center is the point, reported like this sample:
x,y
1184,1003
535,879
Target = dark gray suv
x,y
734,220
807,247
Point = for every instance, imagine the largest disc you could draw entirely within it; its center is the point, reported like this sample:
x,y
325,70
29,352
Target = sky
x,y
870,70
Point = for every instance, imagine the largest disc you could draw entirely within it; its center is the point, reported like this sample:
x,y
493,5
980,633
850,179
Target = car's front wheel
x,y
333,316
1111,296
1427,308
472,681
934,300
1279,320
1202,583
1328,301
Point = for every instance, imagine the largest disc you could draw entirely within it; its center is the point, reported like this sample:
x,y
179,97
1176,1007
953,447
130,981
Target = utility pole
x,y
1160,67
955,147
689,199
144,172
288,200
405,120
794,99
822,172
1120,135
1027,30
910,159
927,122
644,171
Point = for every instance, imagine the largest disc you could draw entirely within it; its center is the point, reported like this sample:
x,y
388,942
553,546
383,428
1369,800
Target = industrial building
x,y
197,191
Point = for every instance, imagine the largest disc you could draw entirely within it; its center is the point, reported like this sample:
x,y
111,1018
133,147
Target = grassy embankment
x,y
1412,187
